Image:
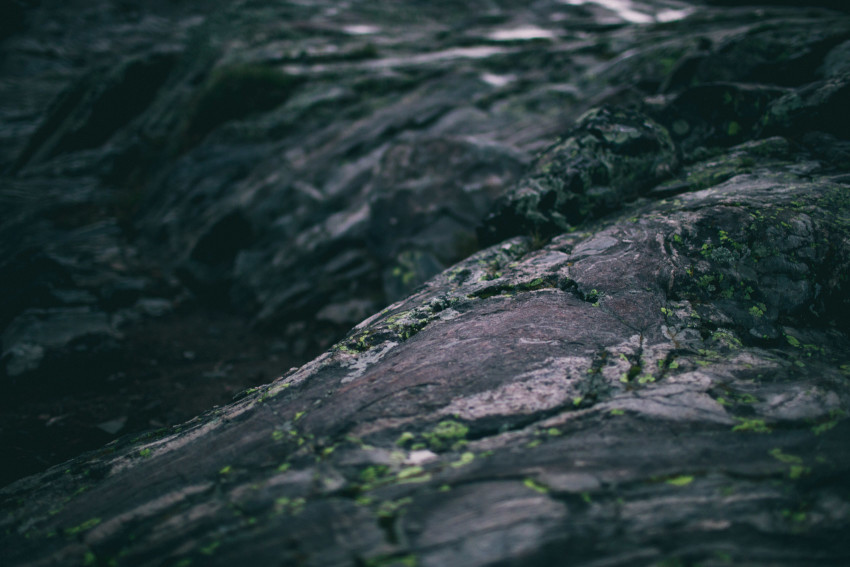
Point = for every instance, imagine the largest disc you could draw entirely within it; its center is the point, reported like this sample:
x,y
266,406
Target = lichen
x,y
448,433
84,527
751,425
683,480
536,486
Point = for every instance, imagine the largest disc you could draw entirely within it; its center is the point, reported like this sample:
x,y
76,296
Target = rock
x,y
113,426
93,109
786,54
427,197
816,107
13,16
611,157
831,4
720,114
605,387
54,333
642,360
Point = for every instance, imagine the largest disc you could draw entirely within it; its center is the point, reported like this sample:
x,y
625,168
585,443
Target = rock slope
x,y
648,365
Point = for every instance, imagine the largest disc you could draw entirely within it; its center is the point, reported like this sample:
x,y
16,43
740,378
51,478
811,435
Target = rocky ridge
x,y
647,366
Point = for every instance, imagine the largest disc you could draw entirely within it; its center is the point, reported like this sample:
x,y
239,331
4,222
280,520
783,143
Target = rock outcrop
x,y
639,358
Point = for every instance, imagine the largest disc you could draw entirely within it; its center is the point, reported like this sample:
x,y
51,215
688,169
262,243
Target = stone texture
x,y
646,365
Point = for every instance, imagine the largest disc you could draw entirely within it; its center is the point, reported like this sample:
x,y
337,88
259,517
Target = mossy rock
x,y
611,157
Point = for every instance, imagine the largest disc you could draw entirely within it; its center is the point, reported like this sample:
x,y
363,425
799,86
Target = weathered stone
x,y
647,366
611,157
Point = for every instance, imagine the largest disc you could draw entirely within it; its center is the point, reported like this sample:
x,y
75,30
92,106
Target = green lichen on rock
x,y
684,355
610,158
446,434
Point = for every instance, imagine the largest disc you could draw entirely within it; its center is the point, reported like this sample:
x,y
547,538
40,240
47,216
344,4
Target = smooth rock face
x,y
648,366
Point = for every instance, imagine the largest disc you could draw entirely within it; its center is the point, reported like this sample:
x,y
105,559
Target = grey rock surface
x,y
641,359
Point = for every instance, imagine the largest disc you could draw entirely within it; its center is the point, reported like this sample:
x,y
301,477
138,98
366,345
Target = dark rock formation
x,y
647,365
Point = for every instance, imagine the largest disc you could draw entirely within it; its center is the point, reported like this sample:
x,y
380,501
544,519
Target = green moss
x,y
680,480
464,460
210,549
835,416
797,471
785,458
225,470
84,527
374,473
795,517
727,339
412,475
751,425
392,508
410,471
393,560
757,310
286,505
144,453
745,398
536,486
446,433
360,342
405,438
706,282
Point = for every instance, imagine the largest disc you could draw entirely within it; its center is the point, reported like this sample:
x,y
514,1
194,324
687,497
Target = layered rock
x,y
648,366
